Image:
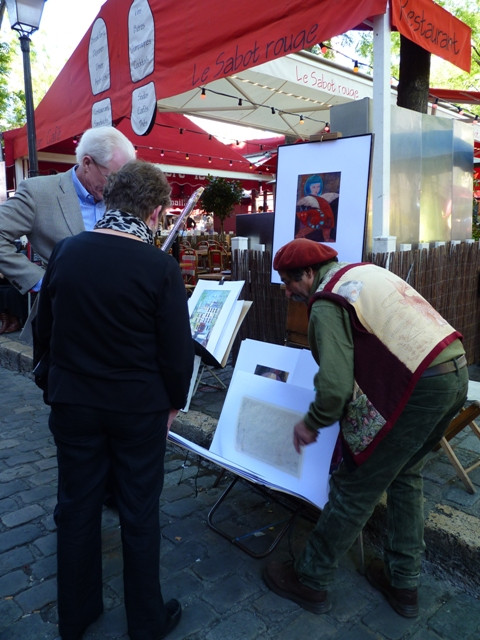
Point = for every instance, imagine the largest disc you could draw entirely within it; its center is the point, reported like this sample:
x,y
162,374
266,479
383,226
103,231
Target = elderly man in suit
x,y
47,209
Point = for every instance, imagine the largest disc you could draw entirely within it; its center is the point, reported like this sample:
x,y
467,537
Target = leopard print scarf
x,y
127,223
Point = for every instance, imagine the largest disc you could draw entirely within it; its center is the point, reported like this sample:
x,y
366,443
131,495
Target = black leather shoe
x,y
174,613
282,579
403,601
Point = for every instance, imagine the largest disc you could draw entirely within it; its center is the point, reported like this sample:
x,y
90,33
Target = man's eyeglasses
x,y
98,167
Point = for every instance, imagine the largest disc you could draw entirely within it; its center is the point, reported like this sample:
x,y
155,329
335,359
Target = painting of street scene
x,y
206,313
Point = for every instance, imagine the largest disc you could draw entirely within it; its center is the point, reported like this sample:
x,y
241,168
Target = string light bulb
x,y
327,127
240,102
323,48
355,66
162,153
301,120
210,160
273,111
187,156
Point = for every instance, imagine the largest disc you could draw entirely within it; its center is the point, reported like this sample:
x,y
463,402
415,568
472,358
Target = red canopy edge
x,y
193,44
171,138
456,96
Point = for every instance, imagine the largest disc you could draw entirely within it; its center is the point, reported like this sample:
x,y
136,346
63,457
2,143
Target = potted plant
x,y
220,197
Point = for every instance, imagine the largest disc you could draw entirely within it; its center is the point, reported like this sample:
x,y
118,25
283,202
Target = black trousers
x,y
92,445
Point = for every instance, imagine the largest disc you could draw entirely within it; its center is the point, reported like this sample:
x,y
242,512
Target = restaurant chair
x,y
188,265
215,260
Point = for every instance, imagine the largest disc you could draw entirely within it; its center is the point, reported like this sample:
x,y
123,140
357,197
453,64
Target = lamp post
x,y
25,16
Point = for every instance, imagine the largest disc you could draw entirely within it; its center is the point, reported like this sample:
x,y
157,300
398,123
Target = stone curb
x,y
451,535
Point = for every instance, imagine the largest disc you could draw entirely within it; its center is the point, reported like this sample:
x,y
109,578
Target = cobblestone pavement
x,y
217,582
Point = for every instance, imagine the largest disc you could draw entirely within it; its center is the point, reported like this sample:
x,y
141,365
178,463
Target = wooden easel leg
x,y
457,465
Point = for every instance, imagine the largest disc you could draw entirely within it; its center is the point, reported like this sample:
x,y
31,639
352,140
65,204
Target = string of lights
x,y
273,110
162,152
356,64
188,155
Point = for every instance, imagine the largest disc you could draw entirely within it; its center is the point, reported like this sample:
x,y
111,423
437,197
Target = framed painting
x,y
322,193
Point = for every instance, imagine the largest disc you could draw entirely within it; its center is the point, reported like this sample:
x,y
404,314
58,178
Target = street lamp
x,y
25,16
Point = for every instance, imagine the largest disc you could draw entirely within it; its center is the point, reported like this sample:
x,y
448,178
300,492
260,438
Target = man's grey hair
x,y
100,143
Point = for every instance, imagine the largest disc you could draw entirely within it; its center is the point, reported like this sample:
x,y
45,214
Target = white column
x,y
382,241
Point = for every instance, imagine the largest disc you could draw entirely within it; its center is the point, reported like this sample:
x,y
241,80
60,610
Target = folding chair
x,y
466,418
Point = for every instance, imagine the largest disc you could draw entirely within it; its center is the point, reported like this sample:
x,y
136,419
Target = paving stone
x,y
15,558
219,585
13,582
30,627
222,593
458,618
22,516
18,536
240,626
10,612
38,595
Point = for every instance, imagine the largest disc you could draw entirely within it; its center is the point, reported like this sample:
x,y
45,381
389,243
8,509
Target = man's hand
x,y
171,417
302,436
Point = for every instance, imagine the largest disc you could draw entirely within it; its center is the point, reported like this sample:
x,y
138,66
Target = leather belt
x,y
446,367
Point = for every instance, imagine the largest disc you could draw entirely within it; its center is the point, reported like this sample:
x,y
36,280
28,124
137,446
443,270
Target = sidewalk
x,y
219,585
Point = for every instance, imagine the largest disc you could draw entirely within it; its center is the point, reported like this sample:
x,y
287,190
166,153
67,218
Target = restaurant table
x,y
218,275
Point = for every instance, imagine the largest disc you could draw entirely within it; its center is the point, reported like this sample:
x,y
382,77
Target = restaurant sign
x,y
434,29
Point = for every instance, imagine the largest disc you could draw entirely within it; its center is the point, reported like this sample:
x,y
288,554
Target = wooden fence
x,y
447,276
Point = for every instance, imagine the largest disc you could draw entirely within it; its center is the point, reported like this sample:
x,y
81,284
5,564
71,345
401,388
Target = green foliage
x,y
442,74
12,103
220,197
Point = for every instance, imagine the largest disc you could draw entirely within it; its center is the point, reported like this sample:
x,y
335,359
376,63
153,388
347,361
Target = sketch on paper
x,y
317,206
270,372
205,314
265,432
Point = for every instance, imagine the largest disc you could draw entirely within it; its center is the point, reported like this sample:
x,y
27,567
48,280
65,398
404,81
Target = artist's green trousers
x,y
395,467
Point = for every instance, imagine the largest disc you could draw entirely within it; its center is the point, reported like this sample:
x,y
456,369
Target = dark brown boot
x,y
4,322
282,579
403,601
12,324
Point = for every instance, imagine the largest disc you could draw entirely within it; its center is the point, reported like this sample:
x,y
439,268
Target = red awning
x,y
136,53
458,96
160,48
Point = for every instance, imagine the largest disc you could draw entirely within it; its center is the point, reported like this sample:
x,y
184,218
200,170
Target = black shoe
x,y
403,601
174,613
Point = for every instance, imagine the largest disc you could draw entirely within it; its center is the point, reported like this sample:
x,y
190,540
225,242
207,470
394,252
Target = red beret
x,y
300,253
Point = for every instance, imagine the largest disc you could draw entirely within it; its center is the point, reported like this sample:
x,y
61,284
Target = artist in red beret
x,y
393,373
